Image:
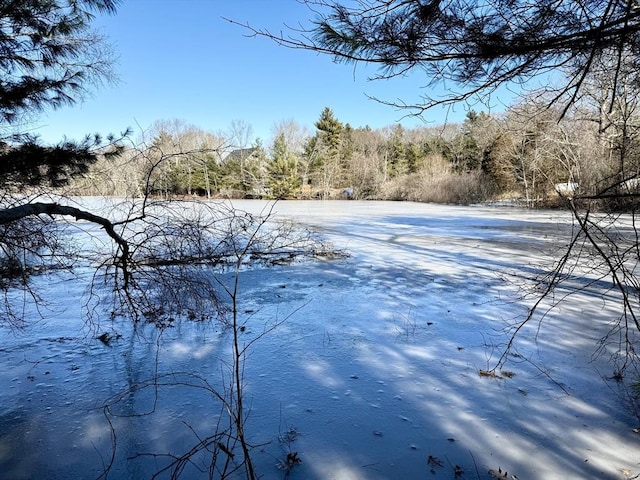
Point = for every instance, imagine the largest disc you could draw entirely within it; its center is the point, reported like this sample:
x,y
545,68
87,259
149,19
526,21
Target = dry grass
x,y
443,187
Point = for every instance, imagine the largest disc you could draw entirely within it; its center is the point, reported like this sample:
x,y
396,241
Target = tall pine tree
x,y
284,181
328,147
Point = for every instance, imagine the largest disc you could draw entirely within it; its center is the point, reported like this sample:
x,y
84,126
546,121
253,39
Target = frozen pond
x,y
373,374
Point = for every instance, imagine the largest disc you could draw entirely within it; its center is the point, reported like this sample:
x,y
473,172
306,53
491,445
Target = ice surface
x,y
373,374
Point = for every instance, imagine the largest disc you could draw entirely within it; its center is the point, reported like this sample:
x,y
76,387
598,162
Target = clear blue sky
x,y
180,59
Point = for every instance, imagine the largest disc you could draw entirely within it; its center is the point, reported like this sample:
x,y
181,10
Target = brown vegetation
x,y
520,156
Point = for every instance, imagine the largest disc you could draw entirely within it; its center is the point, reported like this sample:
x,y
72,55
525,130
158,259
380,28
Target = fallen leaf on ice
x,y
501,475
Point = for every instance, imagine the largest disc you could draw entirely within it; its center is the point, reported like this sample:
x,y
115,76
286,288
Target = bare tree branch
x,y
13,214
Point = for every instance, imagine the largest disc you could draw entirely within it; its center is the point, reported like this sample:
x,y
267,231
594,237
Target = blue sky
x,y
182,60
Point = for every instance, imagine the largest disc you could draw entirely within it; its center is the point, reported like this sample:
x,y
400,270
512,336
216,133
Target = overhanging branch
x,y
13,214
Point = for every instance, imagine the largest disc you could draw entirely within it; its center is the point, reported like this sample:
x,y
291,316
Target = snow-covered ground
x,y
373,374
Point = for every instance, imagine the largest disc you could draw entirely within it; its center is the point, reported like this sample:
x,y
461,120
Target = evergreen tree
x,y
472,143
347,151
327,150
397,159
49,57
329,131
207,177
284,181
413,156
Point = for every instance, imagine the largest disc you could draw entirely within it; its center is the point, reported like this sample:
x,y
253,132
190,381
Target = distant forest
x,y
525,155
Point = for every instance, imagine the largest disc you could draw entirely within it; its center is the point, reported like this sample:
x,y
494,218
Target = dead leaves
x,y
289,462
501,475
435,462
458,472
493,374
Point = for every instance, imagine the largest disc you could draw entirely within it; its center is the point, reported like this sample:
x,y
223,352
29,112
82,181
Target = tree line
x,y
524,155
